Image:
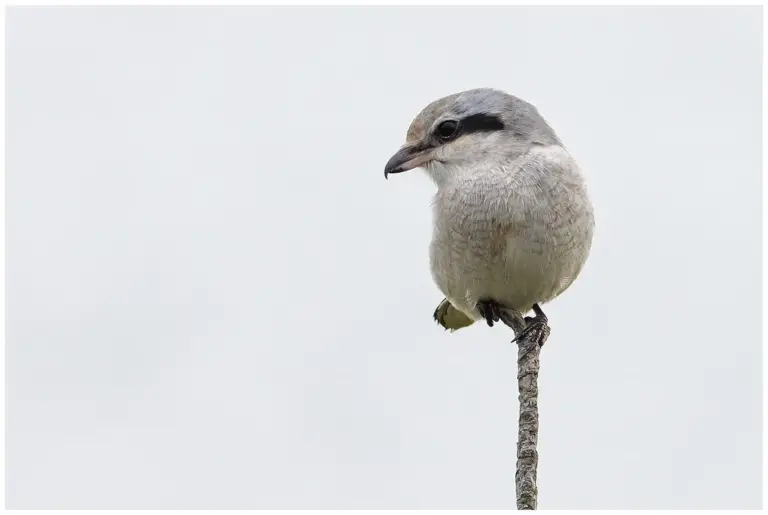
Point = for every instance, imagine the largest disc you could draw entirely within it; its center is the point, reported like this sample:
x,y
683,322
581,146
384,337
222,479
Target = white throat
x,y
444,173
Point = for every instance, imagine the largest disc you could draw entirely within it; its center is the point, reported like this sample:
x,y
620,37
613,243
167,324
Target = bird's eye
x,y
447,130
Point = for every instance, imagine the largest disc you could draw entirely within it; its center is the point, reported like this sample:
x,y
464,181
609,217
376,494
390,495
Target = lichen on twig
x,y
529,346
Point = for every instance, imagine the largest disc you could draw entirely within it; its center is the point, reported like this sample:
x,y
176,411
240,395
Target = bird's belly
x,y
514,270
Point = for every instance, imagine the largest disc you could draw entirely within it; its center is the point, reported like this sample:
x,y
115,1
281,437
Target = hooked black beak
x,y
407,158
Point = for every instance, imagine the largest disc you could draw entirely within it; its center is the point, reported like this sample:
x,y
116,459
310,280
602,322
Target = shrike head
x,y
468,130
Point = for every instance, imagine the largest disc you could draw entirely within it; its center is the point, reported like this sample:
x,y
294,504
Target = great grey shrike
x,y
513,222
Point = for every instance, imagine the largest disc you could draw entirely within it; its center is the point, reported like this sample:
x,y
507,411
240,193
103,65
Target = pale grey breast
x,y
517,234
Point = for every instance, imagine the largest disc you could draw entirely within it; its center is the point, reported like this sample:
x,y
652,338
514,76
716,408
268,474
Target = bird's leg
x,y
538,322
489,310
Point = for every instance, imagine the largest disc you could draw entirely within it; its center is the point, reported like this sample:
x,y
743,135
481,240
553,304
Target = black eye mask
x,y
481,122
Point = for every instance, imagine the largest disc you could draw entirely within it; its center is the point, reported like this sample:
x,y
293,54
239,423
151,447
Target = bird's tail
x,y
451,318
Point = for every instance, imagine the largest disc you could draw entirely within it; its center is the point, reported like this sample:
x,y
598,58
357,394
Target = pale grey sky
x,y
216,301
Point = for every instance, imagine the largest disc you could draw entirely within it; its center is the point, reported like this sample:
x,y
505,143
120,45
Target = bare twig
x,y
528,424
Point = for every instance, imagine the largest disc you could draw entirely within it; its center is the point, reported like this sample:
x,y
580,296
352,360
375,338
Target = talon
x,y
537,322
494,311
489,310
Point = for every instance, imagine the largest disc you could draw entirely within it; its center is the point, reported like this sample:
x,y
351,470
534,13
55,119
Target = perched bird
x,y
513,222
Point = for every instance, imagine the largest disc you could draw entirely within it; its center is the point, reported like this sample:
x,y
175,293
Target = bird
x,y
513,221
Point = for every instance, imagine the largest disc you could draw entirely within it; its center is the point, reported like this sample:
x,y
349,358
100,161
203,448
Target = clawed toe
x,y
489,310
537,322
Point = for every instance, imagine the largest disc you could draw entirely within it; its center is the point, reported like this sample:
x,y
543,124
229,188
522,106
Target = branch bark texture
x,y
529,347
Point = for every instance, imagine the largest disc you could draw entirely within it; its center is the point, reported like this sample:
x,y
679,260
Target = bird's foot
x,y
489,310
538,322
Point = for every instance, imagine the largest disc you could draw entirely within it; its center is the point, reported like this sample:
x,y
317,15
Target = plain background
x,y
216,301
